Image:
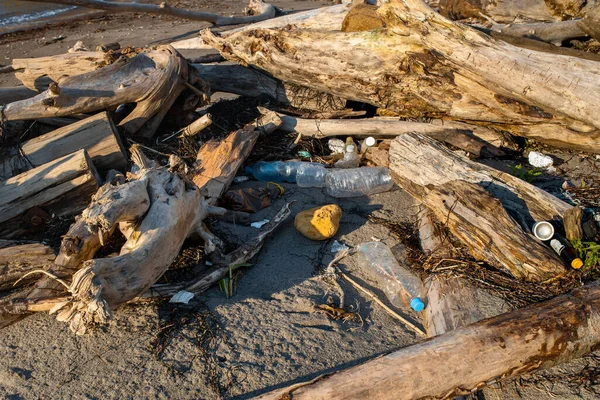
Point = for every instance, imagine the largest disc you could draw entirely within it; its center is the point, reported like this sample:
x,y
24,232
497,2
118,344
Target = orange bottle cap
x,y
577,263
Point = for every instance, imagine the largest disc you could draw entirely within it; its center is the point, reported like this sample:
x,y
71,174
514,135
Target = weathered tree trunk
x,y
590,23
481,223
551,32
467,359
38,73
433,242
17,259
61,187
480,141
423,65
219,160
418,161
509,10
153,80
261,11
97,135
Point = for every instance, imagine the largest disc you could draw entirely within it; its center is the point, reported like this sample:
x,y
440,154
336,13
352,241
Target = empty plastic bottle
x,y
274,171
401,286
356,182
351,157
311,175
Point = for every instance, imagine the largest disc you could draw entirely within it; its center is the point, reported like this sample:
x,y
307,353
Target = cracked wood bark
x,y
261,11
60,187
467,359
96,134
218,161
423,65
509,10
418,161
17,259
482,224
152,79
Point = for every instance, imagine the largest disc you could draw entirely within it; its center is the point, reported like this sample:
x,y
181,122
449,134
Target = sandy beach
x,y
268,335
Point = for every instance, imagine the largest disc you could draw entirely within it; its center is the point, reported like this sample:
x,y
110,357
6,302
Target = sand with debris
x,y
270,333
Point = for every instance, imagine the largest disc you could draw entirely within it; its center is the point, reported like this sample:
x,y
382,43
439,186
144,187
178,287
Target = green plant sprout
x,y
528,175
227,284
589,252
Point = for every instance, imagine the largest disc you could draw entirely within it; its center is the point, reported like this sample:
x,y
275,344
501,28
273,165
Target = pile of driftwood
x,y
472,85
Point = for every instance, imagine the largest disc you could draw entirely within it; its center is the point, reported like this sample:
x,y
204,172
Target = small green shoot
x,y
227,284
589,252
528,175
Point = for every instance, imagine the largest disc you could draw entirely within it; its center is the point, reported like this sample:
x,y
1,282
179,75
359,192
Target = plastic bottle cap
x,y
417,305
577,263
543,230
370,141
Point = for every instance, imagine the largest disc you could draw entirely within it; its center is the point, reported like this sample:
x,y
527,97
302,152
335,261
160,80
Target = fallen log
x,y
411,162
552,32
17,259
423,65
152,79
433,242
60,187
38,73
218,161
96,134
508,10
261,11
481,223
590,23
480,141
469,358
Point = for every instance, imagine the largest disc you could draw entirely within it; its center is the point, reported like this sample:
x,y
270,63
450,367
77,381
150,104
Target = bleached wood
x,y
423,65
17,259
60,187
509,10
96,134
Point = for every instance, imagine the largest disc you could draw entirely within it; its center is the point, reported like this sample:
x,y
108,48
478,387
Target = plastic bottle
x,y
401,286
274,171
368,142
351,157
311,175
356,182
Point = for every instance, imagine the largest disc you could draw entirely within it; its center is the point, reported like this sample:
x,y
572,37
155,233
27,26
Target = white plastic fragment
x,y
239,179
336,145
337,246
182,297
259,224
540,160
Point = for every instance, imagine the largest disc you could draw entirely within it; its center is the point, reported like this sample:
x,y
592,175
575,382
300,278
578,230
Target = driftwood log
x,y
15,93
60,187
152,79
467,359
17,259
96,134
423,65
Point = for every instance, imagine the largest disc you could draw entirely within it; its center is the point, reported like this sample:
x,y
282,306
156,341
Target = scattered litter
x,y
259,224
337,246
319,223
304,154
251,199
182,297
240,179
540,160
336,145
208,263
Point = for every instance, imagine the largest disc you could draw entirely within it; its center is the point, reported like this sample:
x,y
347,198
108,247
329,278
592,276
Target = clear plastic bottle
x,y
356,182
274,171
311,175
401,286
351,157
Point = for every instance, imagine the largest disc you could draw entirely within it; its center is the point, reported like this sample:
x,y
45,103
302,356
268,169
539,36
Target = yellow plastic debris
x,y
319,223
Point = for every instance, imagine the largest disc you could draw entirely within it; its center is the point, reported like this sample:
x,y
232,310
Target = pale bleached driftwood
x,y
60,187
552,32
96,134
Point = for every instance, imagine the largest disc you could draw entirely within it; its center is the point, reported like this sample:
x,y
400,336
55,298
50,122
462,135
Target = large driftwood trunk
x,y
423,65
61,187
17,259
458,362
153,80
96,134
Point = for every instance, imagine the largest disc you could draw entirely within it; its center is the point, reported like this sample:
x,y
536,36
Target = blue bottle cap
x,y
417,305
